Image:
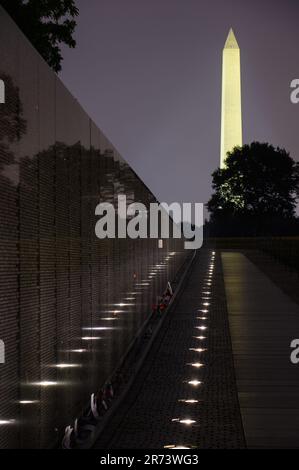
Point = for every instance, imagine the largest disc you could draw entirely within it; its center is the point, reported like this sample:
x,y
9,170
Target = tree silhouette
x,y
259,183
47,24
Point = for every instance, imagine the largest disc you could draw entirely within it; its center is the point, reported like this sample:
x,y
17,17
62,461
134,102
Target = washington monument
x,y
231,112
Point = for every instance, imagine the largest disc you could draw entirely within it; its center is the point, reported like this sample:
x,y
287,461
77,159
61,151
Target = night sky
x,y
149,73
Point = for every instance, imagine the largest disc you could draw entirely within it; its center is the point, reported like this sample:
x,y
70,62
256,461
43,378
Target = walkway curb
x,y
119,400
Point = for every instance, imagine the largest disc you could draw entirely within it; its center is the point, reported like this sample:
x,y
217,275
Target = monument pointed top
x,y
231,42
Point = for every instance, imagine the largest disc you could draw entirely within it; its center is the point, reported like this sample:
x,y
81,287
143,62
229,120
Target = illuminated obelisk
x,y
231,112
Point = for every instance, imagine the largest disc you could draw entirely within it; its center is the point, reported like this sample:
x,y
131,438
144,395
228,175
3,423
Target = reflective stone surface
x,y
70,304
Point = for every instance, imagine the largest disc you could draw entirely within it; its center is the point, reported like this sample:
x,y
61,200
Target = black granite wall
x,y
60,287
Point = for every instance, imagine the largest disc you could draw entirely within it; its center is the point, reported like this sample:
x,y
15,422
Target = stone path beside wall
x,y
248,395
146,420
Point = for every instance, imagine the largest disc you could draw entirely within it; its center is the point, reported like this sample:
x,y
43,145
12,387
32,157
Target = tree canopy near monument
x,y
47,24
258,181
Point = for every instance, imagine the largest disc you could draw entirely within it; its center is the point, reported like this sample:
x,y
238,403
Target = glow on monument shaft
x,y
231,110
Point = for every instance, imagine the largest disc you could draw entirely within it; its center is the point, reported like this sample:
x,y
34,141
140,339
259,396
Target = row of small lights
x,y
204,311
155,270
139,287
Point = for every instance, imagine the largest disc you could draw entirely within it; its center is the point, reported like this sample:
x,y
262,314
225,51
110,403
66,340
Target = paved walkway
x,y
263,321
248,390
156,413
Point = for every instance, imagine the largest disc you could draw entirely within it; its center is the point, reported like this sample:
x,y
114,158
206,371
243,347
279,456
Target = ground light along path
x,y
185,395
